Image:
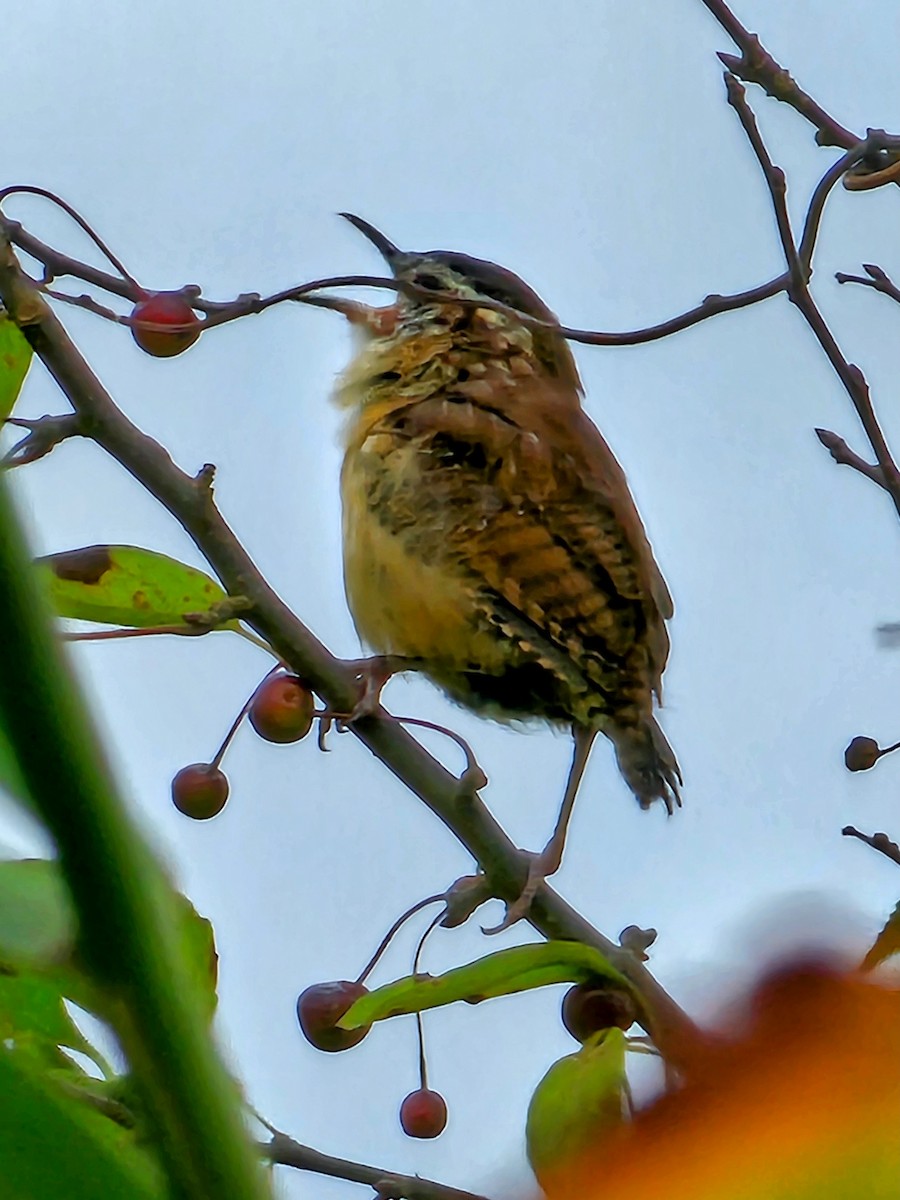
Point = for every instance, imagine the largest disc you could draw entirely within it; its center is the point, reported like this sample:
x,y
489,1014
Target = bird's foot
x,y
373,674
539,867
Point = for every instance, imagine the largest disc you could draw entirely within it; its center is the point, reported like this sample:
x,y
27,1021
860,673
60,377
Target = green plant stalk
x,y
122,898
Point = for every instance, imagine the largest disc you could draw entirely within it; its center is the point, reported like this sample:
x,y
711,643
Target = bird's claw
x,y
539,867
373,673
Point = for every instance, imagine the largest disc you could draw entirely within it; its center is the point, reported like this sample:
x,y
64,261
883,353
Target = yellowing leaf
x,y
126,585
801,1103
886,944
579,1101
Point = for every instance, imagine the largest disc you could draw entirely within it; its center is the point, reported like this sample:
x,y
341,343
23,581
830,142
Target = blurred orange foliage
x,y
800,1101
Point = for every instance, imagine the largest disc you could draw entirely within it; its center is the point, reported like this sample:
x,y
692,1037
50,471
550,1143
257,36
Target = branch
x,y
756,65
288,1153
221,312
845,457
43,434
191,502
800,266
878,280
878,841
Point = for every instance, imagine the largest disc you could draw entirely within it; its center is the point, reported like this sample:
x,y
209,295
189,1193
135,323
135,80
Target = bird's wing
x,y
521,492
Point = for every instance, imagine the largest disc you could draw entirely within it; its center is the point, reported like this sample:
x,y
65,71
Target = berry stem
x,y
394,929
423,1068
236,723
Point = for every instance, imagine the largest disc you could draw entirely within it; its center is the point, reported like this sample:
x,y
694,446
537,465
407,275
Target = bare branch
x,y
845,457
774,178
32,190
756,65
288,1153
43,434
849,374
878,841
878,280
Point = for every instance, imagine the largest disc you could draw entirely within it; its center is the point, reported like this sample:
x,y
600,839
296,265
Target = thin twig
x,y
849,374
845,457
110,635
32,190
394,929
44,433
756,65
774,178
878,841
878,279
876,139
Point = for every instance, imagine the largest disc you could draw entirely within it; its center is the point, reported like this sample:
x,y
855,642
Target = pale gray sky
x,y
588,147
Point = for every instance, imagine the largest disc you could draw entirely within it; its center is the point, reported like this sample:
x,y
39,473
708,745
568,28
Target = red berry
x,y
321,1006
282,708
200,791
160,311
589,1007
861,754
423,1114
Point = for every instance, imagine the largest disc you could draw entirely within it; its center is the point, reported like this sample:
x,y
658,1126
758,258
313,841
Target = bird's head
x,y
449,271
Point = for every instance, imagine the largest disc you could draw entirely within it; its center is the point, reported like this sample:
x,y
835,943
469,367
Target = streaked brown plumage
x,y
489,530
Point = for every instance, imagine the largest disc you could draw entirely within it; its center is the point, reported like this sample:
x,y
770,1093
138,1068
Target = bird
x,y
490,539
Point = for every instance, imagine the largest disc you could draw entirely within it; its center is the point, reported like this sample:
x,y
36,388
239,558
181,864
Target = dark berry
x,y
862,754
589,1007
423,1114
282,708
168,324
200,791
321,1006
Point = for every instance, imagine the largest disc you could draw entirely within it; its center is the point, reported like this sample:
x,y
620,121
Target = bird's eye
x,y
429,281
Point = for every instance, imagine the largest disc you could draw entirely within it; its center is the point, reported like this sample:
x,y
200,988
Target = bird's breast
x,y
404,598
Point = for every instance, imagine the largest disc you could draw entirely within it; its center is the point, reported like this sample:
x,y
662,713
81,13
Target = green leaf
x,y
886,944
15,359
196,939
501,974
36,921
37,930
54,1142
581,1098
126,585
33,1016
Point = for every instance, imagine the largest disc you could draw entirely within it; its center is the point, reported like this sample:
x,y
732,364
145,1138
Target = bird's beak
x,y
395,258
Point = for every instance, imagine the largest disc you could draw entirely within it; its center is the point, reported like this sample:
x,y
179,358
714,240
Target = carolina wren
x,y
489,533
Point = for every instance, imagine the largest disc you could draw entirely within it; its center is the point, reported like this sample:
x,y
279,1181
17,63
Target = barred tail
x,y
647,763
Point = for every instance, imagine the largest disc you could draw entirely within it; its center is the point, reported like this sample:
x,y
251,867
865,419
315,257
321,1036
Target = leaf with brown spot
x,y
127,585
81,566
15,359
